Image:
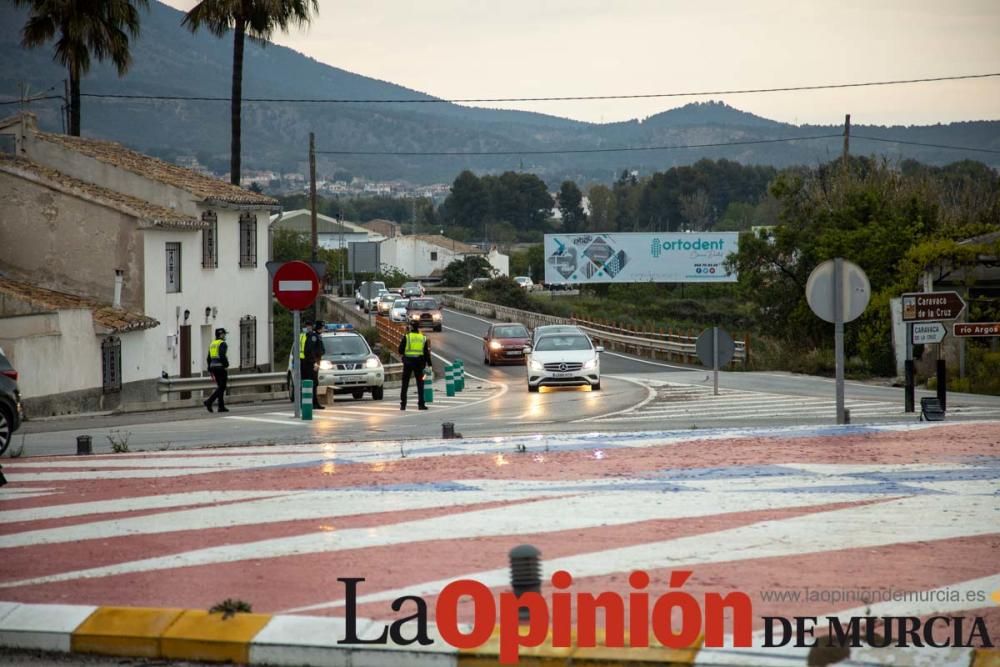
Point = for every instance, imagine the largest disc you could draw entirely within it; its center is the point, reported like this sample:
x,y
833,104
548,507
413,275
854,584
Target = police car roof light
x,y
339,326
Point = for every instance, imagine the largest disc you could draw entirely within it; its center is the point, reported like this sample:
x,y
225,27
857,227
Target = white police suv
x,y
349,365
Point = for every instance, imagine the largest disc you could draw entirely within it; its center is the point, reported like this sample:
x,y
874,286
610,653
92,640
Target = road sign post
x,y
838,291
295,285
923,313
715,348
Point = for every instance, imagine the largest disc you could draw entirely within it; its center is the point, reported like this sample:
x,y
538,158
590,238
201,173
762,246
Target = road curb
x,y
275,639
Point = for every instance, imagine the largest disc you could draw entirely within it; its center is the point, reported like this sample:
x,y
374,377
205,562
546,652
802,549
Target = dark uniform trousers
x,y
413,366
221,377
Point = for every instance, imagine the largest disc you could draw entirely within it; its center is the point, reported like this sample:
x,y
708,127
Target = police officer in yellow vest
x,y
218,362
311,350
416,352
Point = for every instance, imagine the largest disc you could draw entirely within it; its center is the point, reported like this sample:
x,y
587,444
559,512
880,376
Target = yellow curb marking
x,y
199,635
123,631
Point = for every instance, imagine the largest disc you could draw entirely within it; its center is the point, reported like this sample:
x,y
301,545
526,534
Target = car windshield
x,y
559,343
550,331
344,346
400,303
423,304
510,332
389,298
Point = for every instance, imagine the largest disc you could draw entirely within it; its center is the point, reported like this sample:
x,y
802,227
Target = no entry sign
x,y
295,285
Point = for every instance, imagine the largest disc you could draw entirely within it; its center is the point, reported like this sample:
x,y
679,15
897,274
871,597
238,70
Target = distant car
x,y
525,282
349,365
550,329
560,360
477,282
504,343
412,290
371,290
371,304
11,411
425,312
398,311
385,303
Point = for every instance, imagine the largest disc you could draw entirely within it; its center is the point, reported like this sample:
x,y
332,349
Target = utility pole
x,y
847,139
66,121
312,192
343,252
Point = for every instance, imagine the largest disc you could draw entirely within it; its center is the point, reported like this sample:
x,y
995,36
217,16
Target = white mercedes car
x,y
564,360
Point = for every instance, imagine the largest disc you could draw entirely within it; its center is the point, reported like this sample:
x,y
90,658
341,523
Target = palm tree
x,y
256,19
82,28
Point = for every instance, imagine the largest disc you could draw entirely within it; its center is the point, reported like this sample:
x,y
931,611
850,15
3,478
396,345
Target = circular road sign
x,y
706,341
295,285
855,291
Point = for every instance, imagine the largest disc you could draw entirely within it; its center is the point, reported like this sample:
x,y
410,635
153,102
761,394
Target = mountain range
x,y
168,60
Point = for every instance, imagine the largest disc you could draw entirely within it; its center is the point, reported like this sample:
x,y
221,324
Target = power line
x,y
32,99
580,150
918,143
568,98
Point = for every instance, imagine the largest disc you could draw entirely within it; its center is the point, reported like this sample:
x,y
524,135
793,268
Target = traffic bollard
x,y
449,380
429,385
84,445
307,400
460,377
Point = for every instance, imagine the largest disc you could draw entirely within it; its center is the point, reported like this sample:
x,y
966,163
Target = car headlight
x,y
436,316
326,365
495,345
536,365
589,364
414,316
372,362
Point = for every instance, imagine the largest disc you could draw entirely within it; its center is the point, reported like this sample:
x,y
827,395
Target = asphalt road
x,y
636,394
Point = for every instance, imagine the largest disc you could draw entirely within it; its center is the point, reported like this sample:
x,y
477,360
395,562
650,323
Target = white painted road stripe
x,y
283,422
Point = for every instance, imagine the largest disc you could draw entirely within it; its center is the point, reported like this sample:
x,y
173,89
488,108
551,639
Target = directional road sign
x,y
977,329
932,306
928,332
295,285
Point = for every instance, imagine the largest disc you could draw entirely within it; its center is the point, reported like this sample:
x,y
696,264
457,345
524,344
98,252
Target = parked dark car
x,y
11,412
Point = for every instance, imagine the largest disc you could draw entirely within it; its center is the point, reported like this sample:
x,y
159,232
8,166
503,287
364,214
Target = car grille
x,y
350,366
426,316
563,367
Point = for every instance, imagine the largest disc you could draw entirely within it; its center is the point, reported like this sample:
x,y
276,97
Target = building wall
x,y
414,257
53,352
227,292
66,243
500,262
332,241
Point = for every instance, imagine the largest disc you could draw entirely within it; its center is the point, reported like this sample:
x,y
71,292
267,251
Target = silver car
x,y
397,313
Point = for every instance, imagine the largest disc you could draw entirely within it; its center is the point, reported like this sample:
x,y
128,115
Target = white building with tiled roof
x,y
190,251
424,255
330,232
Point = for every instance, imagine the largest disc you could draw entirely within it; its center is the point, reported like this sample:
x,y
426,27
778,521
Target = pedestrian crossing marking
x,y
681,401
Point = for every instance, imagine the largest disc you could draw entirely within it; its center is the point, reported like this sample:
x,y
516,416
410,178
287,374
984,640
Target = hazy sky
x,y
540,48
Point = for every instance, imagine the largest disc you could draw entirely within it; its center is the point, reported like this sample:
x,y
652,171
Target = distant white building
x,y
426,255
330,233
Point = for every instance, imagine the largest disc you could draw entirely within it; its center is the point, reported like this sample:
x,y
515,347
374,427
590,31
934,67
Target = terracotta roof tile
x,y
116,319
147,213
208,188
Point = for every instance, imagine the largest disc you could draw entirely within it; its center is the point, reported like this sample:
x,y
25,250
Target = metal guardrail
x,y
649,343
173,385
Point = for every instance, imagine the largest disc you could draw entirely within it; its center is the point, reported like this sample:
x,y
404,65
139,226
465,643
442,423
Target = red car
x,y
505,342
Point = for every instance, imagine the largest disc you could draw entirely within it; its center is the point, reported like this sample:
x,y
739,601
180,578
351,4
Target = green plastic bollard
x,y
307,400
429,385
460,378
449,380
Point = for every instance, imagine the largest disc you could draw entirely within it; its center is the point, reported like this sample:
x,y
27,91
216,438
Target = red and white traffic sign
x,y
295,285
977,329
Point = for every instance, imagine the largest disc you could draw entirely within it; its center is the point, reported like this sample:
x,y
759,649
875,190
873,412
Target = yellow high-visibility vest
x,y
213,351
414,344
302,346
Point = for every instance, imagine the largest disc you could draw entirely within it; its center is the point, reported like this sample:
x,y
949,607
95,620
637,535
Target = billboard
x,y
694,257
